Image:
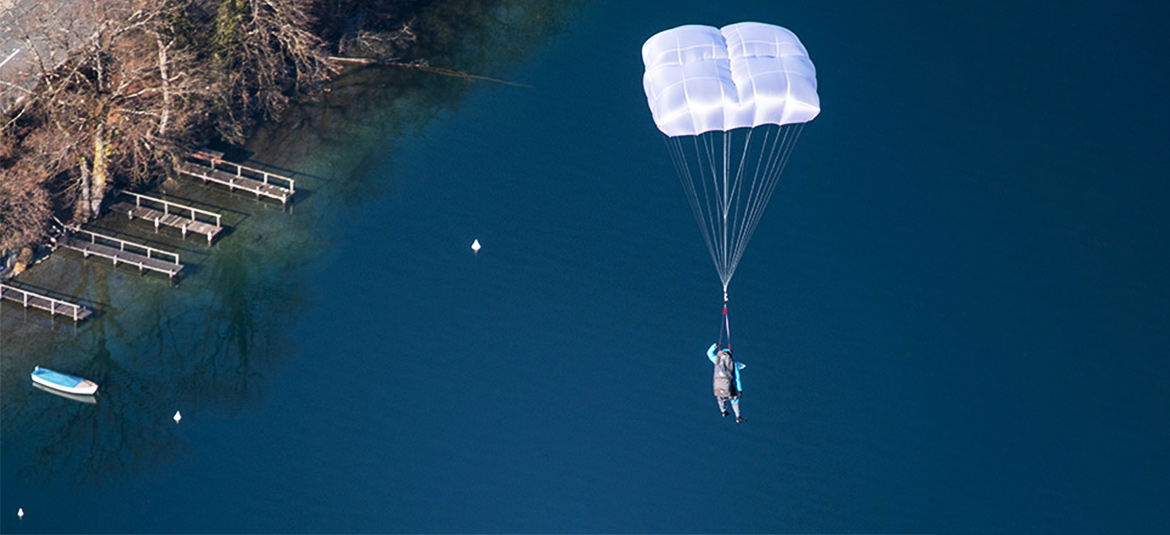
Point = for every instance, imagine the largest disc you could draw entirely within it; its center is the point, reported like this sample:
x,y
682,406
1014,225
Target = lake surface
x,y
954,312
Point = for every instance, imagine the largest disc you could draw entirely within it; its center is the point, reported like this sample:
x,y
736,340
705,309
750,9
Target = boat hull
x,y
63,382
80,398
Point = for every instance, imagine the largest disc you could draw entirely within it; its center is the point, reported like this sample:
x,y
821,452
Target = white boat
x,y
63,382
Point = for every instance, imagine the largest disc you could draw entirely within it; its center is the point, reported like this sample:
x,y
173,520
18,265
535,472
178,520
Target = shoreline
x,y
132,134
367,102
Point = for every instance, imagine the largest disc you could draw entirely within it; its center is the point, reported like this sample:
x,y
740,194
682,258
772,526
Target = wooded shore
x,y
150,79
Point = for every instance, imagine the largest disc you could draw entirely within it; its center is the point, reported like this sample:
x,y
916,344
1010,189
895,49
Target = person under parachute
x,y
726,382
732,102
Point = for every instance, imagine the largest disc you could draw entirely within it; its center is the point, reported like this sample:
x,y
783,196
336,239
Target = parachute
x,y
731,102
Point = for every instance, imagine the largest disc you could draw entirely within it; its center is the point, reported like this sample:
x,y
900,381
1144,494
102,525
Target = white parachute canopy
x,y
732,102
700,78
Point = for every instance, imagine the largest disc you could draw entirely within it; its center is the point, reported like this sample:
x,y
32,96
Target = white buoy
x,y
475,246
178,416
20,513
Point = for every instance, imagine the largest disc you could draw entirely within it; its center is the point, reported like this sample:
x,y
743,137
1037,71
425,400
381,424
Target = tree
x,y
268,54
123,104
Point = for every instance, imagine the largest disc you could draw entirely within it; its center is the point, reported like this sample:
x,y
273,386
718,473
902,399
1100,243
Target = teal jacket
x,y
725,367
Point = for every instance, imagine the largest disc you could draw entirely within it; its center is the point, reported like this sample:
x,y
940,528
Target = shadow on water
x,y
209,342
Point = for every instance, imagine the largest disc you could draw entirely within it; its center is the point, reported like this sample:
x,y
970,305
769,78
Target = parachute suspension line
x,y
712,201
678,154
689,177
727,197
713,205
773,181
719,206
777,160
761,193
786,150
735,226
729,202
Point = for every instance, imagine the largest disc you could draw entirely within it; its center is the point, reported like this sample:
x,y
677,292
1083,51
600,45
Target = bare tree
x,y
268,54
122,105
126,86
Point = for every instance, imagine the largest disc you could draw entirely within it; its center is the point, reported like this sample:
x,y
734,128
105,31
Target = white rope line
x,y
771,182
728,208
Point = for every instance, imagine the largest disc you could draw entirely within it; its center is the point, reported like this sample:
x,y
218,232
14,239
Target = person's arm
x,y
738,387
711,352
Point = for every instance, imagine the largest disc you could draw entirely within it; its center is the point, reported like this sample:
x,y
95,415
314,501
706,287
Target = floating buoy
x,y
475,246
20,513
178,416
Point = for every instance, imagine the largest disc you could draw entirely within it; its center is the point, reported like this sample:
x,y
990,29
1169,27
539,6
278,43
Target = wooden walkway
x,y
119,250
210,167
172,214
44,302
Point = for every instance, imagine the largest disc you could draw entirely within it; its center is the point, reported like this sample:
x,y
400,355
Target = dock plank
x,y
118,255
158,217
236,181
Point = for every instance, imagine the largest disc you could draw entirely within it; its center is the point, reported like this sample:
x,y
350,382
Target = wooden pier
x,y
211,167
44,302
171,214
124,251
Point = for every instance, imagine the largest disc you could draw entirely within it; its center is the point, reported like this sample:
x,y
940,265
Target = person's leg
x,y
735,407
722,405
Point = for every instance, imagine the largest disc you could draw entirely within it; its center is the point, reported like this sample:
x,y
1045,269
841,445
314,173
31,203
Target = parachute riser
x,y
724,326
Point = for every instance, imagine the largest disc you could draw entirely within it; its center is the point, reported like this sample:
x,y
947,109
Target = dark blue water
x,y
954,313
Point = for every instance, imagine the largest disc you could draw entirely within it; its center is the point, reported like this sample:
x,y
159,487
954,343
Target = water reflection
x,y
373,106
209,342
89,399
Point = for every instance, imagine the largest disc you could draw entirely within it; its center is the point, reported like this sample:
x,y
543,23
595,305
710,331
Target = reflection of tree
x,y
79,443
236,350
209,342
124,433
199,357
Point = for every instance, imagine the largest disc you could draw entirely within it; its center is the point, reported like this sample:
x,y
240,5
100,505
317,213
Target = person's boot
x,y
725,413
739,419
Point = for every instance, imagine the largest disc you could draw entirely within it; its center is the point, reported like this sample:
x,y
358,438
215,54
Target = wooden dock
x,y
172,214
124,251
44,302
211,167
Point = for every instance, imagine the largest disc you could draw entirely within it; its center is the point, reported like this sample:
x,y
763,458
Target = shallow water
x,y
953,313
